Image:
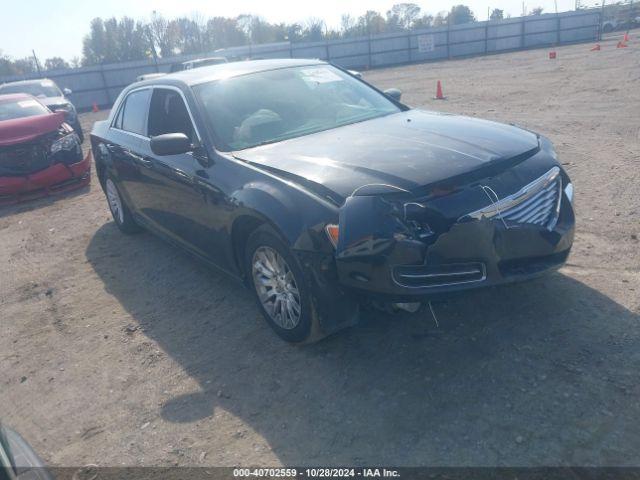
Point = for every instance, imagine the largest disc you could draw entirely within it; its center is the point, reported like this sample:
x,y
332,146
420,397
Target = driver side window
x,y
169,114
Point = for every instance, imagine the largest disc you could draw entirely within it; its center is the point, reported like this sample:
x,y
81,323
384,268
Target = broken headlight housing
x,y
68,142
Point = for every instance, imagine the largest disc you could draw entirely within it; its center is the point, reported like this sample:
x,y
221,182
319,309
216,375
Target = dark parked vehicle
x,y
321,192
18,461
47,92
197,63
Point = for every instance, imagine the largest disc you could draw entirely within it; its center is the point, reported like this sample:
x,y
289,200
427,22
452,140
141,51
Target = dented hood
x,y
408,150
24,129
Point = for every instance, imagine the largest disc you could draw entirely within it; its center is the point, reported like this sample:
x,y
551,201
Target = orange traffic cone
x,y
626,37
596,48
439,95
621,45
95,108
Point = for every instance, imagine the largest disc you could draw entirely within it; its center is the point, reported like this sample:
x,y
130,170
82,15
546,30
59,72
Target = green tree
x,y
402,16
371,23
55,63
424,21
224,32
497,14
313,30
440,19
536,11
93,44
460,14
164,35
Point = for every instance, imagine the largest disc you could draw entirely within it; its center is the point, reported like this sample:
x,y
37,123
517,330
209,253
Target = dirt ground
x,y
121,350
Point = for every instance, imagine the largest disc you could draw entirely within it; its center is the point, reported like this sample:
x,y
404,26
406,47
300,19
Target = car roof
x,y
28,82
204,59
226,70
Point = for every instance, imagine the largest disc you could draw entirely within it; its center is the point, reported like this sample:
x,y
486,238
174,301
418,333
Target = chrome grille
x,y
537,203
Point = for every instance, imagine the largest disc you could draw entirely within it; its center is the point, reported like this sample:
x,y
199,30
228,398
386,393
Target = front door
x,y
179,186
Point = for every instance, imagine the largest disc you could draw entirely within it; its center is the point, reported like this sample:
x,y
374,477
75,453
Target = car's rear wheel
x,y
119,210
279,286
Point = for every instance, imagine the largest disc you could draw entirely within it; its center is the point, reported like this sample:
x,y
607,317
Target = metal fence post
x,y
600,22
486,37
522,32
409,46
104,84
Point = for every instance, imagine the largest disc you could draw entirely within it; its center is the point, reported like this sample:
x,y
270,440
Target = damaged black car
x,y
321,192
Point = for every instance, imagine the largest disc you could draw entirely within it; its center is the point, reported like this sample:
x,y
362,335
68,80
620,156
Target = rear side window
x,y
132,117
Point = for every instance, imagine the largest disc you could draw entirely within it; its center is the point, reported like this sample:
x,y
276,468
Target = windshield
x,y
20,109
276,105
39,90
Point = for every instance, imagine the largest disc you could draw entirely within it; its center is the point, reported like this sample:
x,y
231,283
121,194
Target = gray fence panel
x,y
314,50
102,84
542,24
466,49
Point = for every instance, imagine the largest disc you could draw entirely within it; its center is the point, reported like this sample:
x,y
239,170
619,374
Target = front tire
x,y
119,209
279,287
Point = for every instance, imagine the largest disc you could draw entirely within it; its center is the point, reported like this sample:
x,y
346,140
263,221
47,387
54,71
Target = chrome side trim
x,y
432,275
445,284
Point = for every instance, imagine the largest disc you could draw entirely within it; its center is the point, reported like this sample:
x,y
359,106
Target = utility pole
x,y
37,63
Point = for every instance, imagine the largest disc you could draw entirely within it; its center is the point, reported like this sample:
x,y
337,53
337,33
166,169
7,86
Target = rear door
x,y
128,132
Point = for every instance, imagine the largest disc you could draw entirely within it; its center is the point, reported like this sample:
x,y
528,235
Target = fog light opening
x,y
411,307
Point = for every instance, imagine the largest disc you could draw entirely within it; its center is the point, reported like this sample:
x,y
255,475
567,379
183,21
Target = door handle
x,y
144,161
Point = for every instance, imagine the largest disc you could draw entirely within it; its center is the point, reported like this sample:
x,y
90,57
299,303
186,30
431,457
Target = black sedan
x,y
321,192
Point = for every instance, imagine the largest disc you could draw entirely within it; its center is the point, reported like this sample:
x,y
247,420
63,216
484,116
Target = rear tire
x,y
119,209
279,286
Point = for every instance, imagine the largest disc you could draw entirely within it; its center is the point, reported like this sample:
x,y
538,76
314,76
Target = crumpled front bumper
x,y
469,254
55,179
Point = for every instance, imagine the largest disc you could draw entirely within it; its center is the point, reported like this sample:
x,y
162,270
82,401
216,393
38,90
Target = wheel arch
x,y
289,213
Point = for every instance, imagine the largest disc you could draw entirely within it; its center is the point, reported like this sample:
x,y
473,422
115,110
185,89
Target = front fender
x,y
298,217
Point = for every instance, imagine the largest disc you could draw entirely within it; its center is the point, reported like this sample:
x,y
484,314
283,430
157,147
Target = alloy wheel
x,y
115,204
276,287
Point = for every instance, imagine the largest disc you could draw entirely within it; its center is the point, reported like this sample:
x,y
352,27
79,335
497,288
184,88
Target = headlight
x,y
68,142
568,191
69,111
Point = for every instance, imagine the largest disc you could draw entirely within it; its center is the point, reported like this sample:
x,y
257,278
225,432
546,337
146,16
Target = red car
x,y
40,154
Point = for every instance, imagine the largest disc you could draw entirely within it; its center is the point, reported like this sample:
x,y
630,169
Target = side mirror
x,y
393,93
67,91
171,144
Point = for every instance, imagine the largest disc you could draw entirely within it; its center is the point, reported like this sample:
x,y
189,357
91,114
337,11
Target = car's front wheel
x,y
119,210
279,286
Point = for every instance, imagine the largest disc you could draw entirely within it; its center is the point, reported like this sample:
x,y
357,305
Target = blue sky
x,y
56,28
